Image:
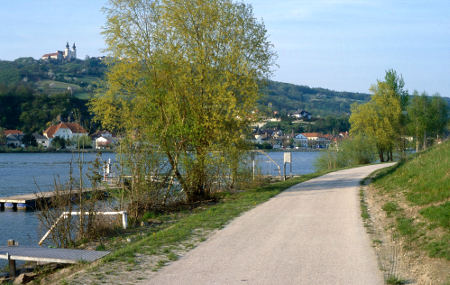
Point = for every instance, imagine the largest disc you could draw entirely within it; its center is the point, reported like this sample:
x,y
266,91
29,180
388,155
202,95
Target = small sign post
x,y
287,159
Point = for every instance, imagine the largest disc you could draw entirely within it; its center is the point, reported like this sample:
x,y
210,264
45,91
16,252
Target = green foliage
x,y
427,117
390,207
21,108
439,215
58,143
440,248
2,136
424,177
406,227
185,79
381,118
29,140
285,97
82,142
352,151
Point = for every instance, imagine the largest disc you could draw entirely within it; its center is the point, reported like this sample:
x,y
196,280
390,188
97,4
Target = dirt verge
x,y
399,259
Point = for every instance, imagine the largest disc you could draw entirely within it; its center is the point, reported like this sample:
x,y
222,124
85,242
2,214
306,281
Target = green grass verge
x,y
424,177
190,223
423,181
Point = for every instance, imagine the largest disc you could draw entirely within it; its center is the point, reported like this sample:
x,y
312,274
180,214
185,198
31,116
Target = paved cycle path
x,y
311,233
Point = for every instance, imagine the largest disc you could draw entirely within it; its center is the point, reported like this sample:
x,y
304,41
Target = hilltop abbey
x,y
68,54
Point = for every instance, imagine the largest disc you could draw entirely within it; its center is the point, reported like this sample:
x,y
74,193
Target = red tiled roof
x,y
74,127
12,132
309,135
50,54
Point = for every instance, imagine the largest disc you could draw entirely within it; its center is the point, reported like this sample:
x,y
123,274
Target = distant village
x,y
274,138
262,137
69,132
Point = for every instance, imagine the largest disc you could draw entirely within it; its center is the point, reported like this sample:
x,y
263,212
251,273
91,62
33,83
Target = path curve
x,y
311,233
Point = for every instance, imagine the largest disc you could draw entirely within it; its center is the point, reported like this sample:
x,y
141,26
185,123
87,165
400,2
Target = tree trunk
x,y
424,140
380,153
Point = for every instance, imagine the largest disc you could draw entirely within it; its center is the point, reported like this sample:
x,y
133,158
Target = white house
x,y
301,140
41,140
66,131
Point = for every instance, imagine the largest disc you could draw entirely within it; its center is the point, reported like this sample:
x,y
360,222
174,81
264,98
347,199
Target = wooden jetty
x,y
32,200
50,255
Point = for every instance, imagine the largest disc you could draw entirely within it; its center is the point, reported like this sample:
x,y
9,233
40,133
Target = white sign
x,y
287,157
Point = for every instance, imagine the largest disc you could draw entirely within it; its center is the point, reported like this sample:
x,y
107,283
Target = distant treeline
x,y
29,111
285,97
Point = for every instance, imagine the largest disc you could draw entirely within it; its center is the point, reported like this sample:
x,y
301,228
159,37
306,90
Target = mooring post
x,y
11,262
12,266
124,220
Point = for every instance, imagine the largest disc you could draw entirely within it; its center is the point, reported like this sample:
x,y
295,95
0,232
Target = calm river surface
x,y
22,173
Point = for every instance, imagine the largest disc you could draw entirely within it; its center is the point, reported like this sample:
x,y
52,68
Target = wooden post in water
x,y
11,262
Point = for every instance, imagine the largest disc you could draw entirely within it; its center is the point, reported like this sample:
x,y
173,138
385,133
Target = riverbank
x,y
162,238
407,212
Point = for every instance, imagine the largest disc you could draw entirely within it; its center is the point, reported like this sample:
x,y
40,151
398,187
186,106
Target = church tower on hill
x,y
68,54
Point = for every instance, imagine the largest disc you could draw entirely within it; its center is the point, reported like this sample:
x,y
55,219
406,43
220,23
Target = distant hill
x,y
285,97
80,78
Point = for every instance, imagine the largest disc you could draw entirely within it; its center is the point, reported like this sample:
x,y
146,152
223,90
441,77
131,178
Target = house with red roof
x,y
318,140
13,132
65,130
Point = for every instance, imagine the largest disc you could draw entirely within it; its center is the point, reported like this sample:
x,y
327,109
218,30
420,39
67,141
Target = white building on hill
x,y
68,54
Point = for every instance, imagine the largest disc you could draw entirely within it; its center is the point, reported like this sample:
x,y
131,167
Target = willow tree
x,y
379,119
184,79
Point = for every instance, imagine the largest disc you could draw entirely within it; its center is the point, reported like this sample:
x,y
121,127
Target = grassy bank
x,y
145,249
408,216
420,191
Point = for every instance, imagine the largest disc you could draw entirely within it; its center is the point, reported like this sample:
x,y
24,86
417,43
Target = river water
x,y
23,173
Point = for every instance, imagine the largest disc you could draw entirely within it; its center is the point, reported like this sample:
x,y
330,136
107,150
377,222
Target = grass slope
x,y
419,191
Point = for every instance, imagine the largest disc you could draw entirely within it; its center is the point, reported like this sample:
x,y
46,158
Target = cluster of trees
x,y
82,142
428,118
31,70
391,116
21,107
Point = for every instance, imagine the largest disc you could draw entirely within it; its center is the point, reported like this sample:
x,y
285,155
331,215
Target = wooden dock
x,y
57,255
32,200
50,255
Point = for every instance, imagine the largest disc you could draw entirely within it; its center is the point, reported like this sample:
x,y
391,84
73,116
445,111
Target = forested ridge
x,y
35,93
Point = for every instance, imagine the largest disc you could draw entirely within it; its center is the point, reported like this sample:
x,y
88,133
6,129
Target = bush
x,y
349,152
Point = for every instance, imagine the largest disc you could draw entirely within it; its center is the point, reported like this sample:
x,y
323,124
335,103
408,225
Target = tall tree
x,y
439,115
380,118
419,118
2,136
427,117
184,79
397,84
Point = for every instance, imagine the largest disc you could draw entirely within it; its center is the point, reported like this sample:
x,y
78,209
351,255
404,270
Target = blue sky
x,y
343,45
